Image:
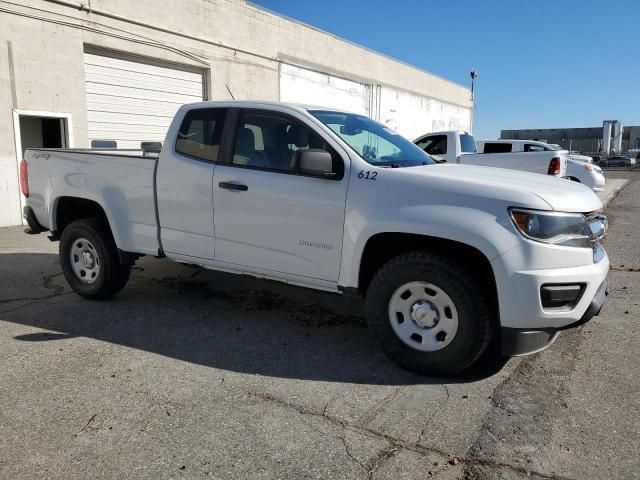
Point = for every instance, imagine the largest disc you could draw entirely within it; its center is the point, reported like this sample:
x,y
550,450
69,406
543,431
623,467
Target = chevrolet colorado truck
x,y
447,256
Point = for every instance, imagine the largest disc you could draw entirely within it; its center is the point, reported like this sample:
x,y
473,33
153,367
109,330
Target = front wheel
x,y
428,314
90,261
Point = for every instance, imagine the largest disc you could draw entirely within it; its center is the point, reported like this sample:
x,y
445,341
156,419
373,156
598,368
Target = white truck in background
x,y
460,147
579,169
447,256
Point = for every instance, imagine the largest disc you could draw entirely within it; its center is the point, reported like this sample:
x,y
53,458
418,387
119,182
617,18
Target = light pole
x,y
474,74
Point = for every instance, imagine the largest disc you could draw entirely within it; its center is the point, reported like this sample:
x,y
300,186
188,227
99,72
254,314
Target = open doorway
x,y
42,132
39,130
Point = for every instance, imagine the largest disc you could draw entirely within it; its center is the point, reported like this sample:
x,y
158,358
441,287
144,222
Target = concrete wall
x,y
239,45
634,138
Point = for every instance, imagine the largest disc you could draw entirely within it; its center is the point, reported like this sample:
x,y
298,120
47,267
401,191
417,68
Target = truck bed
x,y
121,180
535,162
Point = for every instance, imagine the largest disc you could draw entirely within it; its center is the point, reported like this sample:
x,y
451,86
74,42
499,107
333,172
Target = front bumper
x,y
520,302
522,341
598,181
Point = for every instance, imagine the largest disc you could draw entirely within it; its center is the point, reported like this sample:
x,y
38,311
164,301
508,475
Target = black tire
x,y
474,329
112,276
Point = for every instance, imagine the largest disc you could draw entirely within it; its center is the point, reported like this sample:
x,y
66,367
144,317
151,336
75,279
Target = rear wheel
x,y
90,261
428,314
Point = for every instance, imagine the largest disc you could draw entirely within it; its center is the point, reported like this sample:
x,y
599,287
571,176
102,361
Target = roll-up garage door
x,y
412,115
131,101
300,85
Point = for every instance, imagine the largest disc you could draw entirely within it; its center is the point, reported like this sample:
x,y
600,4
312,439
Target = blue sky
x,y
542,64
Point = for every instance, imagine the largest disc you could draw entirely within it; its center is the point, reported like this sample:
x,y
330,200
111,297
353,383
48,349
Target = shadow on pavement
x,y
213,319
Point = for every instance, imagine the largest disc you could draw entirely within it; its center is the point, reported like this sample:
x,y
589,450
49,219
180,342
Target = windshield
x,y
467,143
376,144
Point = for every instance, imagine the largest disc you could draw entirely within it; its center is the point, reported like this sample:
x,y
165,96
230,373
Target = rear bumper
x,y
32,221
521,341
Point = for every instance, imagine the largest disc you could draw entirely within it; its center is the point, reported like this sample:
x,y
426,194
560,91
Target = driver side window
x,y
270,140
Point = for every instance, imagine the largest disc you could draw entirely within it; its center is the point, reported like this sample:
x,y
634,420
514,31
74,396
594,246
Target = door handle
x,y
233,186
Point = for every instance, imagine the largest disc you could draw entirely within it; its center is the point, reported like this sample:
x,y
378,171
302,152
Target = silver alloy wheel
x,y
423,316
84,261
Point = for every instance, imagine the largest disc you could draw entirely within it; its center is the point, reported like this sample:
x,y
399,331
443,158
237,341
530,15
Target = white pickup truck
x,y
460,147
448,256
578,168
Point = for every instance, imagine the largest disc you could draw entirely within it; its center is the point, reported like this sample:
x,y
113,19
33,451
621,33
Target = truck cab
x,y
447,146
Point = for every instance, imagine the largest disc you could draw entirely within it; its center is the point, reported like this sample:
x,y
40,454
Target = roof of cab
x,y
260,104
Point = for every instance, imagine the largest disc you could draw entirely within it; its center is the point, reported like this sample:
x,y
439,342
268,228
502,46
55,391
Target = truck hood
x,y
560,194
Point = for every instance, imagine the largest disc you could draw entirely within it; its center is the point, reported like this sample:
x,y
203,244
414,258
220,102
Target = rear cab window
x,y
200,133
467,143
495,147
531,147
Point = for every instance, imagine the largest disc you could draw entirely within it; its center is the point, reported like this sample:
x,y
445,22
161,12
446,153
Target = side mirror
x,y
318,163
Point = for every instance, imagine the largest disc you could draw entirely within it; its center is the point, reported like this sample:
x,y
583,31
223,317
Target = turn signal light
x,y
24,178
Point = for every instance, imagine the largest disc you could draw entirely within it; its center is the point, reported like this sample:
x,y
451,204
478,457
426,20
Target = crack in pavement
x,y
350,455
57,290
372,412
397,444
381,458
622,268
91,419
433,415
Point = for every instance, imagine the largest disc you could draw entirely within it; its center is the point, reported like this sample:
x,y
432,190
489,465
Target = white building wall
x,y
239,46
412,115
301,85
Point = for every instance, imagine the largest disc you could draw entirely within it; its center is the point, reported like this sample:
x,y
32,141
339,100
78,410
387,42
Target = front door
x,y
267,215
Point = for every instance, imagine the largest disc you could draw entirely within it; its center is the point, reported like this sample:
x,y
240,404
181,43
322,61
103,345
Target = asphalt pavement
x,y
197,374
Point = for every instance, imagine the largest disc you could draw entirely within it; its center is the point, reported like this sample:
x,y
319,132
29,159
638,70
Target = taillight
x,y
24,178
554,166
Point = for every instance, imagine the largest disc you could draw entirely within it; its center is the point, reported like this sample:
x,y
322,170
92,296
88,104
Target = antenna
x,y
229,90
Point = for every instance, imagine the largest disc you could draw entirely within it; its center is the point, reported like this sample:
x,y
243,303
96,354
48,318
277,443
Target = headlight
x,y
564,229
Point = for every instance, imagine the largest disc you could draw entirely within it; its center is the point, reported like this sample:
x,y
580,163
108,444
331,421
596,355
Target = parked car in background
x,y
447,256
617,161
573,156
460,147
